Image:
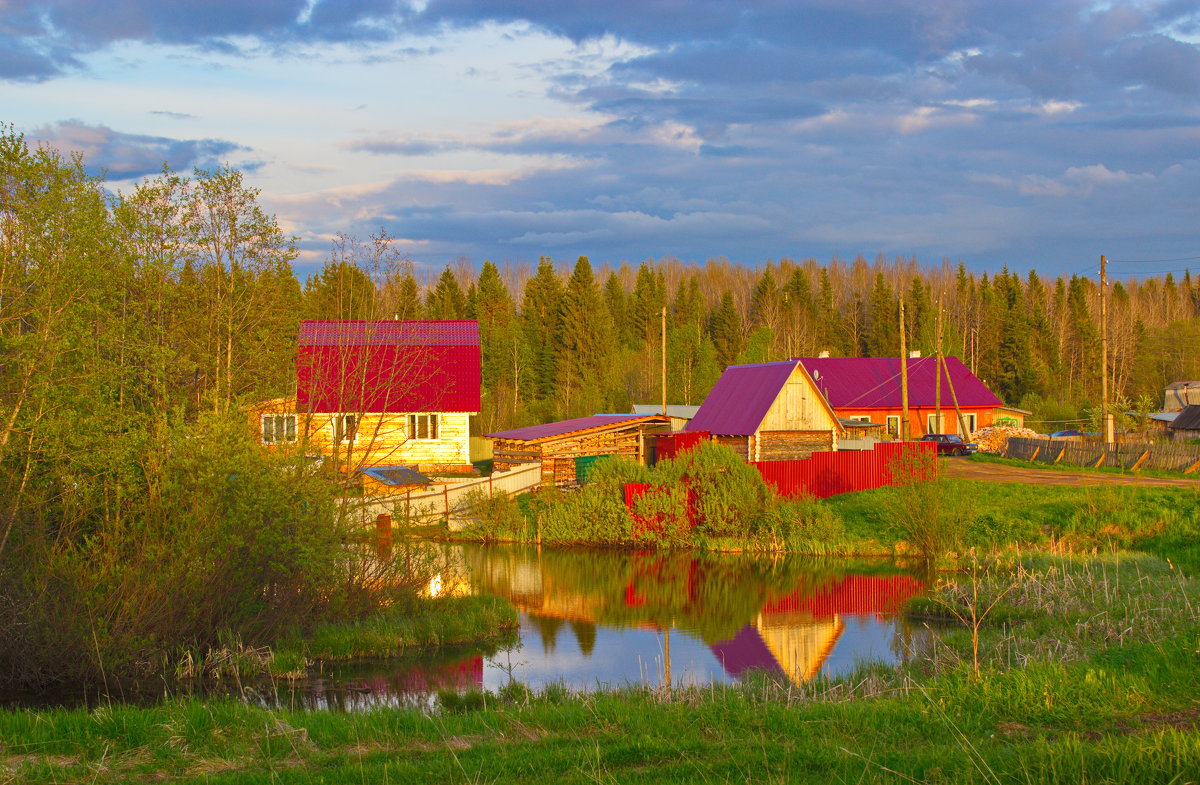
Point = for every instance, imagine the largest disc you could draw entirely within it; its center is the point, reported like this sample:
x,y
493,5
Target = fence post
x,y
1137,464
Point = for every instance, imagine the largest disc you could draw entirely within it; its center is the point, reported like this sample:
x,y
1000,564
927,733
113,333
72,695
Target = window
x,y
422,426
344,427
893,425
278,428
859,418
971,424
933,426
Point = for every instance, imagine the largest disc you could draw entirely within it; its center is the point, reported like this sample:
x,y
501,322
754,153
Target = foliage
x,y
924,510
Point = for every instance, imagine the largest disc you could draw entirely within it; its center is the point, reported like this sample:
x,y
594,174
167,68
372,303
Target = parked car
x,y
950,443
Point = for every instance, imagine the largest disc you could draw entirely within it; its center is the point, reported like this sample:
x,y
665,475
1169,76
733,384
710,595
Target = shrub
x,y
730,494
932,515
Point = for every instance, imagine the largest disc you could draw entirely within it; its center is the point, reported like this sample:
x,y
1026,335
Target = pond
x,y
600,619
594,619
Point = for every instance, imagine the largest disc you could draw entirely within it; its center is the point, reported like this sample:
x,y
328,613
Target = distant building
x,y
868,389
1180,394
768,412
680,414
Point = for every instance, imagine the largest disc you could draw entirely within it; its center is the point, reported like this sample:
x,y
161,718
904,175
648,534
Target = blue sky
x,y
1029,133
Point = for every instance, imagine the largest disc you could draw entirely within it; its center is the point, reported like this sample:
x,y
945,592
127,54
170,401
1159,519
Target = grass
x,y
1088,664
447,621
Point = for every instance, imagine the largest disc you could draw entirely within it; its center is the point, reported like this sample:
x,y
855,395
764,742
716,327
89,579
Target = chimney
x,y
915,354
823,354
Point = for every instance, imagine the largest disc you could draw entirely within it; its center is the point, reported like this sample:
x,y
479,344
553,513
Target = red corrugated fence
x,y
827,474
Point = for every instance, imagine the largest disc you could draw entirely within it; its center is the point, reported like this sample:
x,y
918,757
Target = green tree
x,y
582,344
725,327
446,301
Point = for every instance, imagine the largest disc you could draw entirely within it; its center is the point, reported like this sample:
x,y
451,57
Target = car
x,y
950,443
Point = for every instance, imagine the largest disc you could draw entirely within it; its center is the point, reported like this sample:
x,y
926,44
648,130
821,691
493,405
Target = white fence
x,y
443,501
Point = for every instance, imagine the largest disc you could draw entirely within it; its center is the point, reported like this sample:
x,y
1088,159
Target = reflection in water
x,y
594,619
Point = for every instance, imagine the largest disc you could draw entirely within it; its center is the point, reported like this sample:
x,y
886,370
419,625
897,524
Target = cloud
x,y
125,156
173,115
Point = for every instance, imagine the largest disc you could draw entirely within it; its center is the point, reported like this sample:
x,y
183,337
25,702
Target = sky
x,y
1032,134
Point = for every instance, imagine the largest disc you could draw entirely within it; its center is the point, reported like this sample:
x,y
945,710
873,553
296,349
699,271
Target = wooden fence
x,y
446,501
1170,457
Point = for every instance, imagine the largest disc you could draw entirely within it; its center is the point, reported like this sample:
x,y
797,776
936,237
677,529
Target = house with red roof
x,y
557,445
769,412
868,389
381,394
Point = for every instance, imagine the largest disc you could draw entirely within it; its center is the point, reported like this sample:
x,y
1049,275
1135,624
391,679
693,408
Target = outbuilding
x,y
556,445
769,412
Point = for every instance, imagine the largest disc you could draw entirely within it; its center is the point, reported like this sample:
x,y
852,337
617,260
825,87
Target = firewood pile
x,y
995,438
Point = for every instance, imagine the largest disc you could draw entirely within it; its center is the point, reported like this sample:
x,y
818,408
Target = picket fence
x,y
1169,457
446,501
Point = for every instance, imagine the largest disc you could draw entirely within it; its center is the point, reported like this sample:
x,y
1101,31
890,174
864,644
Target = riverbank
x,y
1087,673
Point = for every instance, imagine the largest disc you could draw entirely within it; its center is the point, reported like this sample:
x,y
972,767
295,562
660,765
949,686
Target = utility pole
x,y
904,429
664,360
1108,418
937,374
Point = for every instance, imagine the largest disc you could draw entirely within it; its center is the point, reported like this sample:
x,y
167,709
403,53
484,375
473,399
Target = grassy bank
x,y
942,518
446,621
1088,675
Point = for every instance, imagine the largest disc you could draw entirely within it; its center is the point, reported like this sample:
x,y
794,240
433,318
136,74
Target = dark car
x,y
950,443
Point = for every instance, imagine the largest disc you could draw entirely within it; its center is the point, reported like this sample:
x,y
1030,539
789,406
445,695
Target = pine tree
x,y
582,342
539,319
446,301
882,335
725,327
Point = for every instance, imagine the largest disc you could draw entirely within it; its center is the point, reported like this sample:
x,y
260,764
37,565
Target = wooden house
x,y
768,412
868,389
382,393
556,445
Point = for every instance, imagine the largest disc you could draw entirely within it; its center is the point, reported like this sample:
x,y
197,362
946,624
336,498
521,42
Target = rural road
x,y
971,470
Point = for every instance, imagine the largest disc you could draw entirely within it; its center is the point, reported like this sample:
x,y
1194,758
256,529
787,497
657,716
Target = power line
x,y
1155,261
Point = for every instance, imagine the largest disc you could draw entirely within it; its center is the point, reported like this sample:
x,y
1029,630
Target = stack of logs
x,y
995,438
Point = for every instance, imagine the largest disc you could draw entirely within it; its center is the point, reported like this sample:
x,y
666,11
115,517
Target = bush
x,y
730,494
929,513
224,543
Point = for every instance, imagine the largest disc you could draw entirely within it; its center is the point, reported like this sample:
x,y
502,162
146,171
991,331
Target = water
x,y
598,619
595,619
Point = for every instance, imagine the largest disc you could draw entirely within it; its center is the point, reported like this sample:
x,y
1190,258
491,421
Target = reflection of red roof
x,y
853,594
388,366
463,674
745,651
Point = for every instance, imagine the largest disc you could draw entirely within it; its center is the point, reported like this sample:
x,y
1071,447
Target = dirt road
x,y
972,470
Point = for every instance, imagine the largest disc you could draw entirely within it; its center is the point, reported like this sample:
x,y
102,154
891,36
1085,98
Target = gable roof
x,y
388,366
549,430
741,398
1188,419
677,410
874,382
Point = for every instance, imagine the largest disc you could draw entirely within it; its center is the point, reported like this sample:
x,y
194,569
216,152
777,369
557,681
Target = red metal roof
x,y
388,366
741,398
536,432
874,382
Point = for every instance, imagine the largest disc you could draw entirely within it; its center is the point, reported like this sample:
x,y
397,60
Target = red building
x,y
868,389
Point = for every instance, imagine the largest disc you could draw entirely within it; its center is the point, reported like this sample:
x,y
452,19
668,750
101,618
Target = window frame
x,y
426,423
290,428
345,428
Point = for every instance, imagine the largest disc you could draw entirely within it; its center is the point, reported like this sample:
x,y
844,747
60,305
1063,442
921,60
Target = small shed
x,y
1186,425
556,445
769,412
